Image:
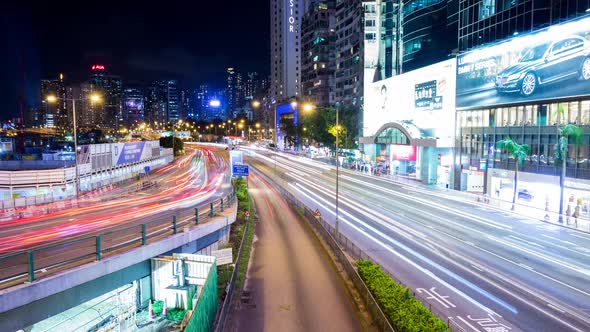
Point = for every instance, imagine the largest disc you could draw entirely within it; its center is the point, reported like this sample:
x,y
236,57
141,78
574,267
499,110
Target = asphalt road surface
x,y
181,185
292,282
479,268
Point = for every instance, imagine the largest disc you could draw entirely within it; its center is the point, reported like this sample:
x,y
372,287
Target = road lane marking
x,y
560,240
556,308
411,262
549,314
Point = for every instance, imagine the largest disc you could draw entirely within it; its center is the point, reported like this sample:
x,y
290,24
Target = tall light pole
x,y
337,170
94,99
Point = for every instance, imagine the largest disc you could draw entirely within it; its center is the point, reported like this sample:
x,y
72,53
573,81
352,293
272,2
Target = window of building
x,y
487,8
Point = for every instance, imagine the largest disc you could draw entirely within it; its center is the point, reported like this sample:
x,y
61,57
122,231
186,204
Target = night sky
x,y
192,41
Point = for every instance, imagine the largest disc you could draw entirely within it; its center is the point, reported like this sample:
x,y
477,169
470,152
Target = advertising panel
x,y
424,97
403,152
127,152
183,134
285,112
549,63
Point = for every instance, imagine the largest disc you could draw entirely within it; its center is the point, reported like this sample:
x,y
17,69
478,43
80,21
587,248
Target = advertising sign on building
x,y
127,152
403,152
550,63
424,97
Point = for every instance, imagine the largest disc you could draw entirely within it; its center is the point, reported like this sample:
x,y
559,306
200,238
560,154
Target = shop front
x,y
409,124
539,191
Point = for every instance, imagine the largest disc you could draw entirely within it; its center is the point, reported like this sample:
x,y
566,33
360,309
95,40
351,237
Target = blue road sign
x,y
240,170
147,169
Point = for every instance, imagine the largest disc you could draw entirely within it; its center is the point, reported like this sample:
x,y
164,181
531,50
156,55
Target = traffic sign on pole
x,y
240,170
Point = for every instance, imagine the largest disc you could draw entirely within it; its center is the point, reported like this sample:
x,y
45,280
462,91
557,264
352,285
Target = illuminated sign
x,y
546,64
424,97
291,17
97,67
403,152
214,103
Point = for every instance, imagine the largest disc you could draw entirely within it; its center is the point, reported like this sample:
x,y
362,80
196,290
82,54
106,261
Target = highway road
x,y
292,283
479,268
186,182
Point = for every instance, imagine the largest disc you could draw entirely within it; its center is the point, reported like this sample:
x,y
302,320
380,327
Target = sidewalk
x,y
522,210
550,217
291,283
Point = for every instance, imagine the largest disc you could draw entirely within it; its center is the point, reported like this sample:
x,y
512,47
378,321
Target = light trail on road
x,y
183,184
531,276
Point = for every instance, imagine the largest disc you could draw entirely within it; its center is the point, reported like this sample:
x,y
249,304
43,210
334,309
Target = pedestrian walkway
x,y
291,282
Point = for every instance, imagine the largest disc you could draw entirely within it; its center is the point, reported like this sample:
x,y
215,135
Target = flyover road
x,y
292,282
478,268
192,179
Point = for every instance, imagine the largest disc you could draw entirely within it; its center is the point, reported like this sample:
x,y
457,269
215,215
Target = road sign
x,y
317,214
224,256
147,169
240,170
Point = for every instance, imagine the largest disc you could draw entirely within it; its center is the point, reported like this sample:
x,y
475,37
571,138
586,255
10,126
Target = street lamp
x,y
94,98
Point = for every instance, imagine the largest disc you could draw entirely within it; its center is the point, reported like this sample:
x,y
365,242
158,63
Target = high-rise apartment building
x,y
162,102
110,87
187,99
133,108
317,53
485,21
285,48
53,114
235,90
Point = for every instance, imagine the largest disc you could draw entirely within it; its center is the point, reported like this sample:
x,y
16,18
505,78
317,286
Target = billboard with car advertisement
x,y
424,97
547,64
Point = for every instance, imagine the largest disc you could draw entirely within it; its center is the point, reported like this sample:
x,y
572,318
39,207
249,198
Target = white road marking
x,y
556,308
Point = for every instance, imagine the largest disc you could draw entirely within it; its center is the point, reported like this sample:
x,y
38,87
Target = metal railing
x,y
222,315
346,250
30,265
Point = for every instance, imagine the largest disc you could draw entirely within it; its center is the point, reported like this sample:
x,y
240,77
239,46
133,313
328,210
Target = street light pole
x,y
76,149
337,171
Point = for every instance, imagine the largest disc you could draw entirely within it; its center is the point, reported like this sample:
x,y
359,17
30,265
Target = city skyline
x,y
139,43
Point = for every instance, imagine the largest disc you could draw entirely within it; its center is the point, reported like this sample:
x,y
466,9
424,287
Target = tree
x,y
288,127
520,152
566,133
177,144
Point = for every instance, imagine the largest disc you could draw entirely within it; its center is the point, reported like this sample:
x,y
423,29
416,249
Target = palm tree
x,y
520,153
561,151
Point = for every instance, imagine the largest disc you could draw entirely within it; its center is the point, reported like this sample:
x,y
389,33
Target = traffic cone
x,y
165,309
150,310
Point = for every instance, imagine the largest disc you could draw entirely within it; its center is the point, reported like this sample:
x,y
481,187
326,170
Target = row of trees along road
x,y
568,134
318,127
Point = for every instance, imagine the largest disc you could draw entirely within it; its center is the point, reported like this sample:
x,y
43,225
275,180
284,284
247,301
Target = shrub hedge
x,y
404,312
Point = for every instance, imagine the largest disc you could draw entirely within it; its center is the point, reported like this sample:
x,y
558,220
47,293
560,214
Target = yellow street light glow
x,y
242,121
95,98
308,107
294,104
258,125
241,126
255,103
51,99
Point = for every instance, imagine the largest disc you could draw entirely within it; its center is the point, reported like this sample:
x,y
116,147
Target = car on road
x,y
525,195
547,63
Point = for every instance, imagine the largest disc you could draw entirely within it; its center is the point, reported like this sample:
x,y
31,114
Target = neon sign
x,y
291,17
97,67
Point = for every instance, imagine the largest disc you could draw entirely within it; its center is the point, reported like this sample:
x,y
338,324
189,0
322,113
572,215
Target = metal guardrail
x,y
344,248
30,265
222,316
